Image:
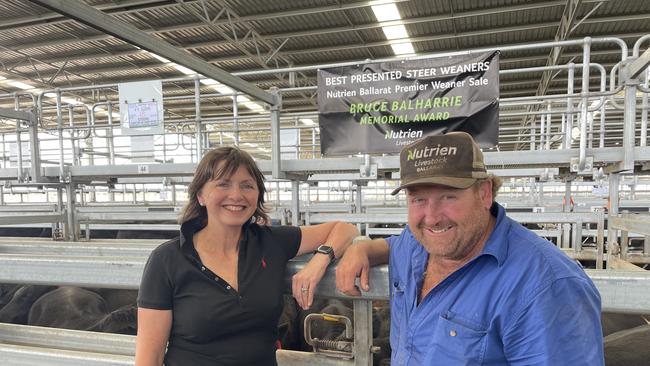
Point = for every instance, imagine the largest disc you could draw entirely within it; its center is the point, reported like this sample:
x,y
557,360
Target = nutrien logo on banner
x,y
402,136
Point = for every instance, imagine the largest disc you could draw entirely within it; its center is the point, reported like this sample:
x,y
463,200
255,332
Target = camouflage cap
x,y
452,160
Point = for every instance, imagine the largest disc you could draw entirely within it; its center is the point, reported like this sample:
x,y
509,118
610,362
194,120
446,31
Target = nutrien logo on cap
x,y
428,152
438,154
453,160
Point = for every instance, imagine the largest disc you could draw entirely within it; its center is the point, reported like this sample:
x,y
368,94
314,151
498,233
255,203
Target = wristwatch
x,y
326,249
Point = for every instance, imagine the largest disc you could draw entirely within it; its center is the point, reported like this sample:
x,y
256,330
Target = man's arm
x,y
356,262
560,325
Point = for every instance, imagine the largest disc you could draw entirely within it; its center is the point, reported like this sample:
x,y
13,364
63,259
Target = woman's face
x,y
230,200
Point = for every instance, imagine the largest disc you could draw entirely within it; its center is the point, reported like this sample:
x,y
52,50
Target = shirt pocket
x,y
457,341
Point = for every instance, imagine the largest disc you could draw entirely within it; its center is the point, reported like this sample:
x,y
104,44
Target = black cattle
x,y
116,299
614,322
27,232
628,347
288,327
81,309
6,293
381,332
131,234
16,301
146,234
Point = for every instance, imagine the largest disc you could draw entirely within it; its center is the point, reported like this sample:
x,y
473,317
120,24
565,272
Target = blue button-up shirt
x,y
520,302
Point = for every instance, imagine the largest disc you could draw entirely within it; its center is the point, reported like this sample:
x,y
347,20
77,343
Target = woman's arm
x,y
153,333
339,236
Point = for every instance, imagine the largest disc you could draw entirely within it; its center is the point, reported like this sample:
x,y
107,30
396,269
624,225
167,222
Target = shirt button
x,y
202,268
228,287
452,333
216,279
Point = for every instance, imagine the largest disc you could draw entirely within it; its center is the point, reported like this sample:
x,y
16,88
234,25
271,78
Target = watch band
x,y
326,249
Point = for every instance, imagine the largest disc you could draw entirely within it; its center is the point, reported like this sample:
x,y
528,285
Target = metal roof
x,y
48,50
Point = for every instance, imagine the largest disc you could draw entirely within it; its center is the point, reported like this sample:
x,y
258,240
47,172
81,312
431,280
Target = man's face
x,y
450,223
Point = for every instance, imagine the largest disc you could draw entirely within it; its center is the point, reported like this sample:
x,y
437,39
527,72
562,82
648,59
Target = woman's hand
x,y
304,282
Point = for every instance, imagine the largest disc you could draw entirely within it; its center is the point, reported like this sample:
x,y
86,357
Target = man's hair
x,y
497,182
209,169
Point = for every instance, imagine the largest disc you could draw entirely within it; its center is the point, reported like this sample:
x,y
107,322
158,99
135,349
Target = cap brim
x,y
453,182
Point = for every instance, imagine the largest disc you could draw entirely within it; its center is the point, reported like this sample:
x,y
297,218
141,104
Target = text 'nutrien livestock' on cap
x,y
452,160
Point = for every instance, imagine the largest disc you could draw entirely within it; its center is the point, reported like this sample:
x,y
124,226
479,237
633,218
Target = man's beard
x,y
467,235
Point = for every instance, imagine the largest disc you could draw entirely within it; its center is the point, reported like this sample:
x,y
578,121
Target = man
x,y
468,285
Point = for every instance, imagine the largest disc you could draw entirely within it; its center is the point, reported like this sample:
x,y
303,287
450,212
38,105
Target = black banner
x,y
381,107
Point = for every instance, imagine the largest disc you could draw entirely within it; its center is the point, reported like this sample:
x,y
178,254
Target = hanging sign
x,y
381,107
141,108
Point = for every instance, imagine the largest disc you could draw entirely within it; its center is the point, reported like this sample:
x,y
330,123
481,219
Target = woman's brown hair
x,y
209,169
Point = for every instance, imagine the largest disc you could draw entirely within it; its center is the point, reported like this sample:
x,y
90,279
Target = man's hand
x,y
355,263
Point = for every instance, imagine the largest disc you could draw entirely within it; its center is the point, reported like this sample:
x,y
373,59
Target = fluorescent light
x,y
70,101
63,99
575,133
184,70
308,121
403,48
386,12
104,111
255,107
19,84
160,58
241,99
208,82
395,32
223,89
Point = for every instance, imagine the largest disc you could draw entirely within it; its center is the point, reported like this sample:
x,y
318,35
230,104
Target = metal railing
x,y
47,347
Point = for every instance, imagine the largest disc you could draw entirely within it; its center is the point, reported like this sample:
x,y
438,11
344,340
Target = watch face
x,y
325,249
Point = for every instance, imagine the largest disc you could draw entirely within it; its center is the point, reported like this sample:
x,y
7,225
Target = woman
x,y
215,293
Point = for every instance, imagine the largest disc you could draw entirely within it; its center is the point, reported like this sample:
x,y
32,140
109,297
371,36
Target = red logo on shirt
x,y
263,263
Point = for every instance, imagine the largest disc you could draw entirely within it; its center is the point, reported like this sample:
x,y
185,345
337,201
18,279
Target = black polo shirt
x,y
213,324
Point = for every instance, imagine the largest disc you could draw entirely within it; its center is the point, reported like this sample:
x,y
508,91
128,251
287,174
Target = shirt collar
x,y
496,245
188,229
191,227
